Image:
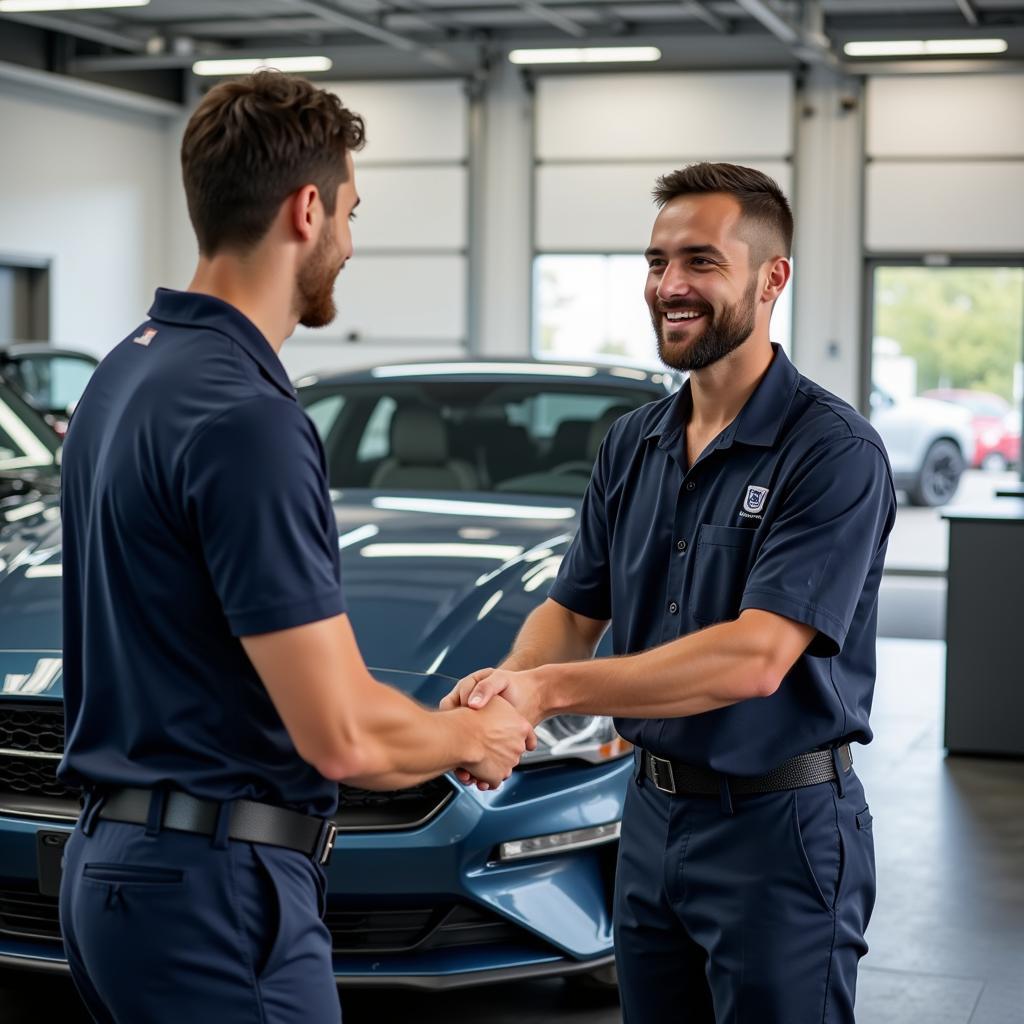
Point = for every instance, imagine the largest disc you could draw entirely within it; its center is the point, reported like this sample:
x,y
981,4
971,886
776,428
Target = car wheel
x,y
995,462
600,986
939,476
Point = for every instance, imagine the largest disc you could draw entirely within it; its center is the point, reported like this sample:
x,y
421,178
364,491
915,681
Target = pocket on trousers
x,y
819,842
132,874
292,904
864,820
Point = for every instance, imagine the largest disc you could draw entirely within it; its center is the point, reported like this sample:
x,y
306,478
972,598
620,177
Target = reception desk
x,y
985,630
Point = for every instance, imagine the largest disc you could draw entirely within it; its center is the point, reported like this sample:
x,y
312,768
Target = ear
x,y
305,212
779,272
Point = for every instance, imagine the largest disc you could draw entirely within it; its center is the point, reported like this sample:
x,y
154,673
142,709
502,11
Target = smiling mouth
x,y
681,317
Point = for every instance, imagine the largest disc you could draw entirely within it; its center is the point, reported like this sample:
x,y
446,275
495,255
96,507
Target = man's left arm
x,y
801,596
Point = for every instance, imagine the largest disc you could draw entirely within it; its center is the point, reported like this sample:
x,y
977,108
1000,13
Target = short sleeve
x,y
834,522
256,496
583,584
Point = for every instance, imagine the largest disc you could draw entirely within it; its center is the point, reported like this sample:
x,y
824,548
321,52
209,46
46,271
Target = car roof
x,y
513,370
41,348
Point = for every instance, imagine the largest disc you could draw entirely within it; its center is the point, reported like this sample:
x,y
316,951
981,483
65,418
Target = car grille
x,y
26,914
32,741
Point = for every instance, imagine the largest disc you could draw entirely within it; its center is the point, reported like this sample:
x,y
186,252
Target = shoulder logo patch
x,y
755,499
146,336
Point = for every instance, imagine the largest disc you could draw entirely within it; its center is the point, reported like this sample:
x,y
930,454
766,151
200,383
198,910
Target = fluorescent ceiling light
x,y
247,65
24,6
923,47
586,55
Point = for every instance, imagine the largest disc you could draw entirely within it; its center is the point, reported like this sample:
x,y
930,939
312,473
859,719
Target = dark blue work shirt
x,y
788,510
195,511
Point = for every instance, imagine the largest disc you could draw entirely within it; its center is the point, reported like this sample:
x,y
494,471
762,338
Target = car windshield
x,y
530,438
26,440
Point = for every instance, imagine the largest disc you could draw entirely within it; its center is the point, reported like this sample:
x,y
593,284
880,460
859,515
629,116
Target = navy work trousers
x,y
751,917
165,926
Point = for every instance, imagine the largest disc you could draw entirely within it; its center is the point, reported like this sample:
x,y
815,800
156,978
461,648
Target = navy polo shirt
x,y
788,510
195,511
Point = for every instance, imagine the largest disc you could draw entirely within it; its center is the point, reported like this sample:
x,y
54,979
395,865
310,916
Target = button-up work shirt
x,y
788,510
195,511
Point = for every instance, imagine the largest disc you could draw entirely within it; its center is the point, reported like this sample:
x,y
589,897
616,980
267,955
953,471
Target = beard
x,y
723,334
314,287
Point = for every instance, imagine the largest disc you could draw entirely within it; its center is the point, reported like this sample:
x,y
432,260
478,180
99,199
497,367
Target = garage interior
x,y
896,127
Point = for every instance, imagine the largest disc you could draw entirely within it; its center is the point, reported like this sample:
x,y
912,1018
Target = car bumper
x,y
434,907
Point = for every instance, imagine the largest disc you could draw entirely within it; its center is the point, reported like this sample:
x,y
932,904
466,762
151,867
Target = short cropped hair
x,y
254,140
761,201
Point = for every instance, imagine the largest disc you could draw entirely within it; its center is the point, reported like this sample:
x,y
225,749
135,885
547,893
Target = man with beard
x,y
214,691
733,534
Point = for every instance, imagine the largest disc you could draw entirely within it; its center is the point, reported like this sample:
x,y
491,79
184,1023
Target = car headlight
x,y
578,737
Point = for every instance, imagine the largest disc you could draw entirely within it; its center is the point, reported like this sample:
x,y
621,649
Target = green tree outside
x,y
964,326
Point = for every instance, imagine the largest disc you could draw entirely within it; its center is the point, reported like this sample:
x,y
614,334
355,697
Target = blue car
x,y
456,489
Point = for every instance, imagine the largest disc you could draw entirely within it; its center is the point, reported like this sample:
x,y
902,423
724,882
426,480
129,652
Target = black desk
x,y
985,630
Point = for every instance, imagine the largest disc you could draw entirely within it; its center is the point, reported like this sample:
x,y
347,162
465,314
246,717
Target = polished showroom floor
x,y
947,937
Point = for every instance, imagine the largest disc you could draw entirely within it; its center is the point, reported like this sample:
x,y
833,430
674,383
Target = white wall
x,y
828,258
84,186
946,164
403,295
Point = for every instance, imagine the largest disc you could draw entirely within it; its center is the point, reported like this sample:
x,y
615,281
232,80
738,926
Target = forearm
x,y
712,669
548,636
403,744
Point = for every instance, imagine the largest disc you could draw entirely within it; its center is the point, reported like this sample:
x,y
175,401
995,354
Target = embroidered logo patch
x,y
755,499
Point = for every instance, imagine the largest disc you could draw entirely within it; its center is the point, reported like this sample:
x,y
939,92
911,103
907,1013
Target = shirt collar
x,y
759,421
195,310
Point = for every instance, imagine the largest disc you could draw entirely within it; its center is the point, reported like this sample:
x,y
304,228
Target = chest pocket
x,y
722,561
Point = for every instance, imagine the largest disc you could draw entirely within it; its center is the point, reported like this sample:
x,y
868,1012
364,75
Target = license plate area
x,y
49,859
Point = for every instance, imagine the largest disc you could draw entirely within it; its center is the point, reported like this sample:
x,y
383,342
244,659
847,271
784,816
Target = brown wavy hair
x,y
251,143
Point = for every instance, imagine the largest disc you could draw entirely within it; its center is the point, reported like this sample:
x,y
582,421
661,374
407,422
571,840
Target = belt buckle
x,y
661,768
325,843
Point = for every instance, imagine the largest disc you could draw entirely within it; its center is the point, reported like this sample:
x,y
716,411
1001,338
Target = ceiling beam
x,y
559,20
78,29
968,11
809,44
331,14
700,10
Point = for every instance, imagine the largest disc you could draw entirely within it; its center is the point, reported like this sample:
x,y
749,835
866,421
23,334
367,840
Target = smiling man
x,y
733,535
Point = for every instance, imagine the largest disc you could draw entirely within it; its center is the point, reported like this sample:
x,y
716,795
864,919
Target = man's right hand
x,y
504,736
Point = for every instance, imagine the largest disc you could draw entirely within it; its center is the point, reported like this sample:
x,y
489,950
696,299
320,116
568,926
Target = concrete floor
x,y
947,937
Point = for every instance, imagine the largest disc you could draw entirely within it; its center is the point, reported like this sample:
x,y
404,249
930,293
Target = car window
x,y
468,435
25,440
375,442
324,412
53,382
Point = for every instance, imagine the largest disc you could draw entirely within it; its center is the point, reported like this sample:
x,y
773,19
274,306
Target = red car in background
x,y
996,426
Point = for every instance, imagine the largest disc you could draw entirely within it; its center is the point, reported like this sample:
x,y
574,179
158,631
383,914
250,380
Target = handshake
x,y
506,705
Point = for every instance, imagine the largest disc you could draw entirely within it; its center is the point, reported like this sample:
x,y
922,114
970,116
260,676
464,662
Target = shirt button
x,y
680,545
690,485
673,608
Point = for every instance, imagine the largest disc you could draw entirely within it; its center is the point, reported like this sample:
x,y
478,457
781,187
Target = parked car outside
x,y
52,379
456,489
929,445
996,426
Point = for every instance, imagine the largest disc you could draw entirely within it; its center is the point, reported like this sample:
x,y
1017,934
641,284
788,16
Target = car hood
x,y
436,585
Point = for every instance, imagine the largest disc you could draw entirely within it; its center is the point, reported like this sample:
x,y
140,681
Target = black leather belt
x,y
250,822
809,769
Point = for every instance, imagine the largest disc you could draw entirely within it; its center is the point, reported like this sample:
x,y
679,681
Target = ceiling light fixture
x,y
586,55
247,65
924,47
26,6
